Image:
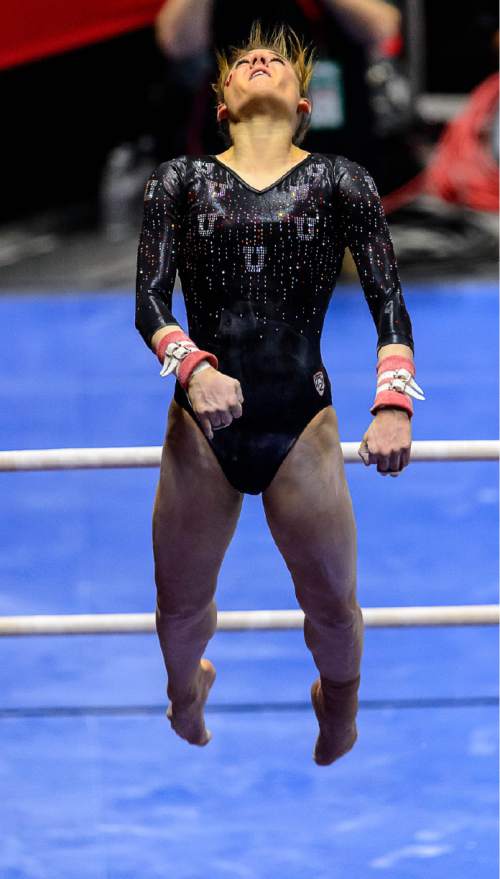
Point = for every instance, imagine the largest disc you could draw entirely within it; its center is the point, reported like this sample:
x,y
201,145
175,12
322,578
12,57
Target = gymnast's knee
x,y
329,602
172,603
334,619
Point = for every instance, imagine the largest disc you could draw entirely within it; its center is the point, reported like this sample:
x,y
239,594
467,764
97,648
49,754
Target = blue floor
x,y
94,784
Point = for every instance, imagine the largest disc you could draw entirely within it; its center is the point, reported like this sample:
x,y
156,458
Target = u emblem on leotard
x,y
216,189
206,167
316,172
301,190
306,227
206,223
254,258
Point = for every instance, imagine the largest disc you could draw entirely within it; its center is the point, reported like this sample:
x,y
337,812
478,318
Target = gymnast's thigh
x,y
194,500
308,504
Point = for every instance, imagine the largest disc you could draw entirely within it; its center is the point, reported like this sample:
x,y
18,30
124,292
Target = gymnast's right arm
x,y
215,398
157,258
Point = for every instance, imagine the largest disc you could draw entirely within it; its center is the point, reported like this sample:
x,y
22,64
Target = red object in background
x,y
463,169
392,47
30,30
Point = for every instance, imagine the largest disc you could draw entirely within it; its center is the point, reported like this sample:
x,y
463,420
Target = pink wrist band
x,y
395,361
394,399
174,336
190,361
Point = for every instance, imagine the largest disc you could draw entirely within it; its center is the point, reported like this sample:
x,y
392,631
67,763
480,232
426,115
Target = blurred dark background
x,y
84,127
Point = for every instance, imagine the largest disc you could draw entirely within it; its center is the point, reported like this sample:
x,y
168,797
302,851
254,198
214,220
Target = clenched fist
x,y
387,442
216,399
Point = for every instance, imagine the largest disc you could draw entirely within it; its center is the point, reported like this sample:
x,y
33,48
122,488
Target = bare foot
x,y
187,718
337,721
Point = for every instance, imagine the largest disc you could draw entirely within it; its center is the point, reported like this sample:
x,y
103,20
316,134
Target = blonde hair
x,y
284,41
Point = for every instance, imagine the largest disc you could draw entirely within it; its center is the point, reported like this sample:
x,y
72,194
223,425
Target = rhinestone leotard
x,y
257,270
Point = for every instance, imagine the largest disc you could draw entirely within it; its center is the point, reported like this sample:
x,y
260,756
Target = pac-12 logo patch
x,y
319,382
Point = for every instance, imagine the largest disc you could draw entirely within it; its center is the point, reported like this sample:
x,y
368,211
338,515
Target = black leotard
x,y
257,269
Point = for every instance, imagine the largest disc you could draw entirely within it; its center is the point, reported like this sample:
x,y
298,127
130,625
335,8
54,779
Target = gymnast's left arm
x,y
387,442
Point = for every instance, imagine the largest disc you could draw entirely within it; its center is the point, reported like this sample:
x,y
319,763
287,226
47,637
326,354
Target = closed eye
x,y
246,61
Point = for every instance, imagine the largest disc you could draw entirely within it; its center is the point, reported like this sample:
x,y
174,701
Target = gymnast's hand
x,y
216,399
387,442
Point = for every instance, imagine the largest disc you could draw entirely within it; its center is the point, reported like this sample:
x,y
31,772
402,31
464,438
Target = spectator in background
x,y
345,33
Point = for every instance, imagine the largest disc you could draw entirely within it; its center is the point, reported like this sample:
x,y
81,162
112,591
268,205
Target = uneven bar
x,y
149,456
248,620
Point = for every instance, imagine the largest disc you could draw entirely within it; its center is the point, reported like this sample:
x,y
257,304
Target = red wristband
x,y
393,399
395,361
174,336
189,363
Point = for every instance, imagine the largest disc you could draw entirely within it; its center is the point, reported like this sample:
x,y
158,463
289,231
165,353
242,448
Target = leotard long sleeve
x,y
279,249
257,269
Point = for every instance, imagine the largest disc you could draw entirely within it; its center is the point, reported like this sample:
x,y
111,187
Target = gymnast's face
x,y
261,79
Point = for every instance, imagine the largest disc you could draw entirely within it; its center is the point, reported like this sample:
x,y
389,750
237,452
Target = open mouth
x,y
259,73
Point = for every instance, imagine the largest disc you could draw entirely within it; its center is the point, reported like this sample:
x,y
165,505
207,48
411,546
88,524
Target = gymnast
x,y
258,235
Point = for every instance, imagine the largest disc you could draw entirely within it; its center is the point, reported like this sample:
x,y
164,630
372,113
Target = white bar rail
x,y
149,456
248,620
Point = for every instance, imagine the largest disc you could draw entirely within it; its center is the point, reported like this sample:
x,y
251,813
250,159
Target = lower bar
x,y
248,620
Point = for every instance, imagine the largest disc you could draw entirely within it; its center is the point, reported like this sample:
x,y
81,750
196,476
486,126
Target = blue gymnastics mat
x,y
95,785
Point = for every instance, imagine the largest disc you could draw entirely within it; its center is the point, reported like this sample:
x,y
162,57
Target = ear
x,y
304,106
222,112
